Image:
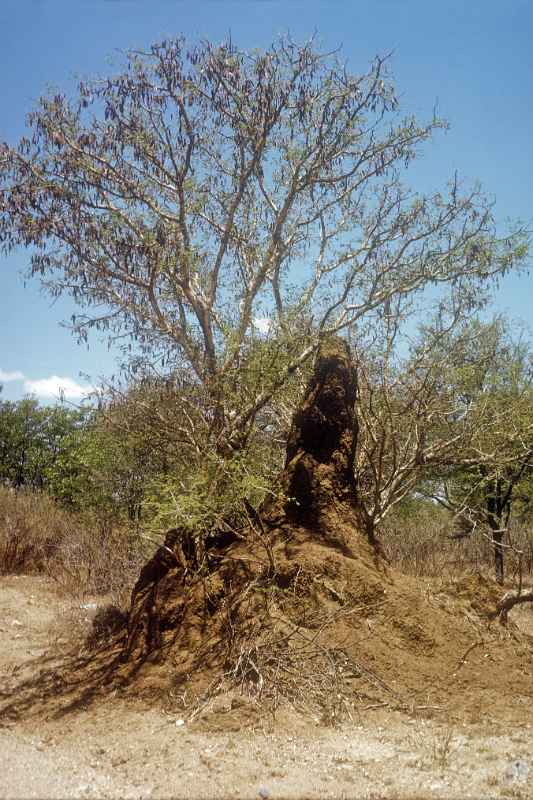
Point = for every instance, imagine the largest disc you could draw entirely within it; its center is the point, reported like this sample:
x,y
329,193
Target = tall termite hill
x,y
300,607
186,601
296,611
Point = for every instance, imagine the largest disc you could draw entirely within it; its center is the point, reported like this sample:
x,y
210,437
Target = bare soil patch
x,y
121,747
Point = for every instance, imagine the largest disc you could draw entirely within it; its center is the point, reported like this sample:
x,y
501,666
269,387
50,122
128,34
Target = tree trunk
x,y
497,537
495,512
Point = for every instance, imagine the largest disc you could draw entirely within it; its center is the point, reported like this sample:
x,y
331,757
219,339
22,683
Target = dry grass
x,y
82,556
420,545
32,529
89,558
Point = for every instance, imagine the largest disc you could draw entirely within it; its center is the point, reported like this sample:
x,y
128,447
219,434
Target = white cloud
x,y
263,324
10,376
55,387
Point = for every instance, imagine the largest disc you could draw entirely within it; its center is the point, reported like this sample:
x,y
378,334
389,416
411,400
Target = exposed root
x,y
509,601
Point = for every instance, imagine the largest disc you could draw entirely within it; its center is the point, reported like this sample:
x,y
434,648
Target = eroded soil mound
x,y
299,610
267,609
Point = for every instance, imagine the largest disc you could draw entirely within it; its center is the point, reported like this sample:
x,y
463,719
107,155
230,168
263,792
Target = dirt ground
x,y
125,748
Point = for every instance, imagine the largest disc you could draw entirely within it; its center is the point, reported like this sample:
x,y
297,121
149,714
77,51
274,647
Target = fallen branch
x,y
462,660
509,601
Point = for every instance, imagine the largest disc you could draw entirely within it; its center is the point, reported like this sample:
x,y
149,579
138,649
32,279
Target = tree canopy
x,y
488,473
206,197
34,442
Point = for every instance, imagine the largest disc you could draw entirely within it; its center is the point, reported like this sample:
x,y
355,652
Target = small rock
x,y
17,622
263,792
179,723
517,771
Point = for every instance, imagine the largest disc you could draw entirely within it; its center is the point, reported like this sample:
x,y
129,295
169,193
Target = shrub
x,y
83,556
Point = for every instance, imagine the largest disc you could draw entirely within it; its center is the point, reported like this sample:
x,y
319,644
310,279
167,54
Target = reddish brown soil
x,y
59,741
295,618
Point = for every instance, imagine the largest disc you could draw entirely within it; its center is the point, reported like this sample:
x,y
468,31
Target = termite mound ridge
x,y
301,562
299,609
296,611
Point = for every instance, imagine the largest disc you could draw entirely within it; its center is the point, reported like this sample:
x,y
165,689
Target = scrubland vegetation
x,y
312,391
82,557
221,214
92,553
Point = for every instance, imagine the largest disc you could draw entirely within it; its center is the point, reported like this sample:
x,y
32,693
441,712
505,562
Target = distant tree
x,y
206,195
33,440
22,450
492,472
448,417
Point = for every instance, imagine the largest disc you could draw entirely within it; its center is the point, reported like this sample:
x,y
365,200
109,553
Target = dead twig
x,y
259,530
467,652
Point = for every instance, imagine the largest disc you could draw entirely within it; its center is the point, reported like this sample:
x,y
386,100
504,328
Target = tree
x,y
403,408
128,445
153,434
206,195
445,415
22,448
491,472
412,419
34,441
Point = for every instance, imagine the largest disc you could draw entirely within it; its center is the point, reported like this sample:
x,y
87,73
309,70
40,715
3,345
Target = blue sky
x,y
474,58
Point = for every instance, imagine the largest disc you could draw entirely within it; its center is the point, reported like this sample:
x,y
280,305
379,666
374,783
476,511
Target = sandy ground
x,y
122,749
